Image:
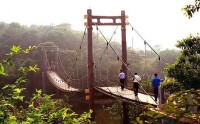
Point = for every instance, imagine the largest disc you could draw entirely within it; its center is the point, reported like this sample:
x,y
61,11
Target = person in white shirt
x,y
136,81
122,77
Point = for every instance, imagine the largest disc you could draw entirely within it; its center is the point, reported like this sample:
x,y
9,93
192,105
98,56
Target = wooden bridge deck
x,y
59,82
116,92
127,95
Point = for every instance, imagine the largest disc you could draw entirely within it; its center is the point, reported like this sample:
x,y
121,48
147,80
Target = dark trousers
x,y
135,88
122,83
156,93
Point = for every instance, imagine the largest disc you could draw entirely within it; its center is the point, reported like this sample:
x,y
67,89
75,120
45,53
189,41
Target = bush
x,y
40,108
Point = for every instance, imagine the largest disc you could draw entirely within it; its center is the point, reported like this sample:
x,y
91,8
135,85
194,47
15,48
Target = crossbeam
x,y
114,20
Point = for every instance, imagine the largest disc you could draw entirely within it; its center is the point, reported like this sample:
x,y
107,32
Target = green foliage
x,y
180,106
148,115
171,85
2,70
115,110
137,114
43,109
186,69
40,109
190,9
146,84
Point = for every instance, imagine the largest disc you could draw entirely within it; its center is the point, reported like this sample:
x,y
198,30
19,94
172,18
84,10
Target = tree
x,y
171,85
40,108
186,69
190,9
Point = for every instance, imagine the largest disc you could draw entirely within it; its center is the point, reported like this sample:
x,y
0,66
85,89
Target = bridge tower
x,y
89,24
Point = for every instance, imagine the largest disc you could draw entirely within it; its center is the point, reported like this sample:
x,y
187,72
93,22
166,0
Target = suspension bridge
x,y
75,81
106,87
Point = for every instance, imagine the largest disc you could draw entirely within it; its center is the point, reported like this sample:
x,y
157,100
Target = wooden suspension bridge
x,y
127,95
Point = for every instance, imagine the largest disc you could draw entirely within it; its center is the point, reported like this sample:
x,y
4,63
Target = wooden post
x,y
124,48
90,53
90,63
124,64
161,96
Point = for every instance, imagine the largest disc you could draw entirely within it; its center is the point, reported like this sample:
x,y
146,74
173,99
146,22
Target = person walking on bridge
x,y
155,82
122,77
136,81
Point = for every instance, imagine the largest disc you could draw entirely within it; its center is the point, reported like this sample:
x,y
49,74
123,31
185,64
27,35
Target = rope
x,y
108,42
78,52
67,74
47,61
107,65
146,42
106,48
72,81
145,56
121,59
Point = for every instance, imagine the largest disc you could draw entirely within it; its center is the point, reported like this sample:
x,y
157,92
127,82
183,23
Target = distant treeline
x,y
107,64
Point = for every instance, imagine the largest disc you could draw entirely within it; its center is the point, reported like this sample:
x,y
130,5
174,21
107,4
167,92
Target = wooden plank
x,y
127,95
59,83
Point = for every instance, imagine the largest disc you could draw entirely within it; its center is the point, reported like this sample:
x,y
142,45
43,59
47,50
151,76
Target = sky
x,y
160,22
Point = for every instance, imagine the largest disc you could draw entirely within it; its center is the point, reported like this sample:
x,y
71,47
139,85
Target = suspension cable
x,y
48,64
107,42
121,60
145,56
107,65
69,75
106,48
78,52
146,42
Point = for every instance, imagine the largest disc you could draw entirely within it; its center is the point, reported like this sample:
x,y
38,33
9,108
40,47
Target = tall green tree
x,y
186,69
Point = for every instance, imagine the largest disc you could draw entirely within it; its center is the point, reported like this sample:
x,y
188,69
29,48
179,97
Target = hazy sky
x,y
160,22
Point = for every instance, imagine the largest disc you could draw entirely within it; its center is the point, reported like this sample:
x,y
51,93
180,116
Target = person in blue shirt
x,y
155,83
